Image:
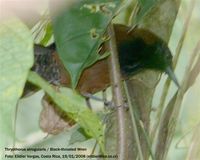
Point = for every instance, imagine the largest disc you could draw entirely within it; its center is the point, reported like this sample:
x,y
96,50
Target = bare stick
x,y
135,129
117,95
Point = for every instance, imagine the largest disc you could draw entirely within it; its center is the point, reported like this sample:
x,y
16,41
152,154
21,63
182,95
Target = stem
x,y
133,119
185,29
117,94
175,60
174,115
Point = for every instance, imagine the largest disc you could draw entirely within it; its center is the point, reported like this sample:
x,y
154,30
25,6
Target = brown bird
x,y
139,49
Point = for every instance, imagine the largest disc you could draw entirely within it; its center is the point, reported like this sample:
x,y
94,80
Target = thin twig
x,y
133,15
160,108
147,140
196,69
184,32
164,130
117,94
135,129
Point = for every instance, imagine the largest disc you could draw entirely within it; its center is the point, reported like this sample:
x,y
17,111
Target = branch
x,y
117,94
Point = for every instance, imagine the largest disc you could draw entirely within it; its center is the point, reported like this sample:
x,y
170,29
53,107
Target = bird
x,y
138,49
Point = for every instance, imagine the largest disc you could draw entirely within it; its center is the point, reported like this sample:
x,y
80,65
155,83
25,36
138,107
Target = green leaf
x,y
48,34
16,52
78,135
145,7
75,109
78,32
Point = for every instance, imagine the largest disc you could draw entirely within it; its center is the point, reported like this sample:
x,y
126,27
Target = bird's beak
x,y
172,76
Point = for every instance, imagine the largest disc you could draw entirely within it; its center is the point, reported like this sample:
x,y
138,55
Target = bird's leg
x,y
88,102
90,96
104,95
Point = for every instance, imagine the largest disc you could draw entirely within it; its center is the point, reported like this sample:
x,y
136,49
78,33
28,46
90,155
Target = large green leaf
x,y
74,107
16,52
78,32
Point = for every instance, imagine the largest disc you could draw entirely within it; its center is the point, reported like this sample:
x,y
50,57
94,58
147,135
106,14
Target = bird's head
x,y
161,59
144,50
